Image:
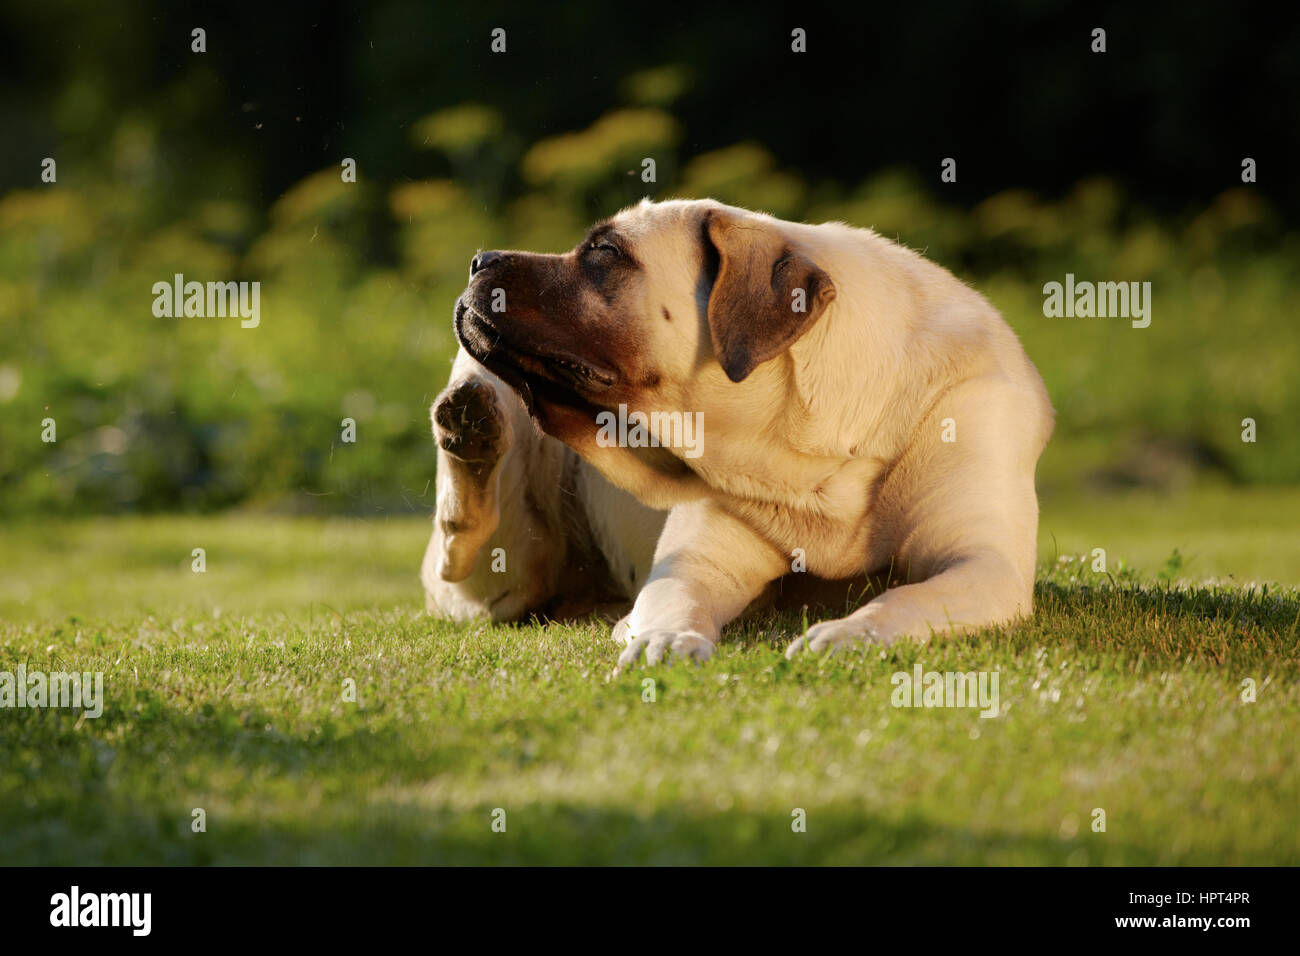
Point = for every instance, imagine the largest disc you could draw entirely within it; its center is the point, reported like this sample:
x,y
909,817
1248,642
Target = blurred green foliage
x,y
358,280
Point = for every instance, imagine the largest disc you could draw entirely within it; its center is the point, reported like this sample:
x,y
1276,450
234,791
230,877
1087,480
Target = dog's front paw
x,y
622,633
657,645
869,625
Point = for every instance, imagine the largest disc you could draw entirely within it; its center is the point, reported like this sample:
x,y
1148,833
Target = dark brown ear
x,y
754,311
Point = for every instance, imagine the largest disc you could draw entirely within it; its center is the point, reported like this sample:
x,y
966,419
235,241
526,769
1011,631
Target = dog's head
x,y
656,308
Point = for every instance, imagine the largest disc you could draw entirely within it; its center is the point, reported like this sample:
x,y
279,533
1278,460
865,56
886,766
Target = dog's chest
x,y
825,522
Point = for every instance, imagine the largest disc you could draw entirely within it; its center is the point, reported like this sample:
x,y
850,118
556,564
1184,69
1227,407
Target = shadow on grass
x,y
361,799
561,834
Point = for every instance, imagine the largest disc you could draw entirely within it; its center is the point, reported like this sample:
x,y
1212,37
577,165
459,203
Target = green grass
x,y
224,691
1241,534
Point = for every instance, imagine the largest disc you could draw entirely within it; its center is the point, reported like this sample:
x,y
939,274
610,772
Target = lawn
x,y
225,691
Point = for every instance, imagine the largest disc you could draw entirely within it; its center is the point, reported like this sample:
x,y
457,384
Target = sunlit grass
x,y
225,691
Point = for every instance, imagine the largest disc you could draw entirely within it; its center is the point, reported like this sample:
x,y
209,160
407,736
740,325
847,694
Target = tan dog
x,y
859,409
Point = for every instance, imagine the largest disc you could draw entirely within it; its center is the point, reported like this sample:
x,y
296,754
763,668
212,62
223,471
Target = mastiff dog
x,y
701,408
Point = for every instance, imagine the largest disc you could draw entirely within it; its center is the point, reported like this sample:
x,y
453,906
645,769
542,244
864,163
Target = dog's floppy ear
x,y
767,292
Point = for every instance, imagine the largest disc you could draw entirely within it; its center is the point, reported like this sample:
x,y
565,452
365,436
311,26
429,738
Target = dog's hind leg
x,y
495,491
473,435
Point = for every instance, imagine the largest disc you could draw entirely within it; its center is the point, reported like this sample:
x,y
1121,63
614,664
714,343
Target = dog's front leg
x,y
708,567
981,588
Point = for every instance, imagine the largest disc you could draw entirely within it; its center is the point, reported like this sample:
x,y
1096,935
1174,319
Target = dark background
x,y
1184,91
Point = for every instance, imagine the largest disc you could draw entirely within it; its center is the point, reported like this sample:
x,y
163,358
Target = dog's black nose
x,y
482,261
